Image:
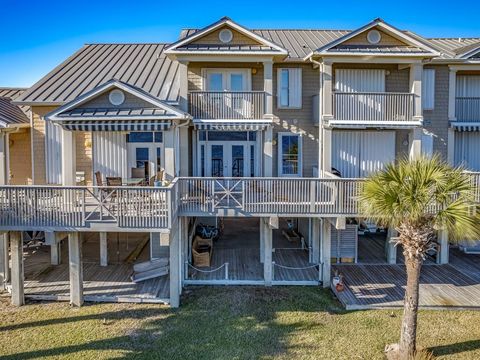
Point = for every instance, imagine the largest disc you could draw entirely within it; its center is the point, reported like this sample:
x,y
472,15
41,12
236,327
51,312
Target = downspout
x,y
320,120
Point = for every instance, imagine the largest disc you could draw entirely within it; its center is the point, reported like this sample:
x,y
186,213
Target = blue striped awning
x,y
240,125
116,125
458,126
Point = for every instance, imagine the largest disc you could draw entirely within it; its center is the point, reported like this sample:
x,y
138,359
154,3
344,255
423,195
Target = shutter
x,y
360,80
53,150
345,153
344,243
110,153
428,89
466,150
377,148
295,87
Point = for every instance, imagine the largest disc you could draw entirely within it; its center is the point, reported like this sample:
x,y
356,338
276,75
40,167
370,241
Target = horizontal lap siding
x,y
20,158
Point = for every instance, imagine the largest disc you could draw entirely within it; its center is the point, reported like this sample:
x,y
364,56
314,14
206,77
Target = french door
x,y
228,159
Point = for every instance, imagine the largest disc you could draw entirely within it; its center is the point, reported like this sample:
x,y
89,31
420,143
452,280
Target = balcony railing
x,y
373,107
467,109
241,105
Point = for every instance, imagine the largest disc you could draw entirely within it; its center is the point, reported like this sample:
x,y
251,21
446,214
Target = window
x,y
145,137
289,88
289,158
428,89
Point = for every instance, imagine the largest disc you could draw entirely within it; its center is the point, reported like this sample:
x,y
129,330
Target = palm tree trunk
x,y
408,336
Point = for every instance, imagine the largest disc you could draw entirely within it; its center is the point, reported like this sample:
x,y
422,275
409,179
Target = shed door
x,y
467,145
358,153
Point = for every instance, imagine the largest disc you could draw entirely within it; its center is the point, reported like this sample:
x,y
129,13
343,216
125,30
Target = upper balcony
x,y
227,105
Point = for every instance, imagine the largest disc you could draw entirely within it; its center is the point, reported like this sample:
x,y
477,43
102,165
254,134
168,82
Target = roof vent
x,y
225,36
374,37
116,97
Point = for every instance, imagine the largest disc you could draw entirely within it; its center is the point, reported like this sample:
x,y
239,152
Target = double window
x,y
289,157
289,88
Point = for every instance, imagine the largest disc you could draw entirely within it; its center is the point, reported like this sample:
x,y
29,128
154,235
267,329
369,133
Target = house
x,y
262,133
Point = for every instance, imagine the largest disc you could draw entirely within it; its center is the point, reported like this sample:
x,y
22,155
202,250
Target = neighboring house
x,y
236,123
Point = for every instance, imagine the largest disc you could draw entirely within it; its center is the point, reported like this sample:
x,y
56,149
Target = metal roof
x,y
378,49
10,113
141,65
214,47
111,113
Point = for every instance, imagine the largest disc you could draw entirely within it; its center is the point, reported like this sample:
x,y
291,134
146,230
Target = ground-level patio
x,y
111,283
455,285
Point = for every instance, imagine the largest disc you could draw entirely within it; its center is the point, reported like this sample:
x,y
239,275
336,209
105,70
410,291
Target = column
x,y
390,248
451,146
4,260
452,94
262,242
327,90
267,265
416,73
3,159
16,244
169,148
103,248
183,85
55,247
175,249
268,152
327,150
443,257
183,145
76,268
268,87
315,240
68,158
326,253
415,143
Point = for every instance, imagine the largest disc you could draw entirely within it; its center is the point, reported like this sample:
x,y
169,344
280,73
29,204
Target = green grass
x,y
226,323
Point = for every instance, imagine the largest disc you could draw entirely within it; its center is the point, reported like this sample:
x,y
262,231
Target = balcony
x,y
224,105
369,108
467,109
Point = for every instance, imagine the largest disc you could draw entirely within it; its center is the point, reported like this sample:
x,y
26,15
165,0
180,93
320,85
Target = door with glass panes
x,y
145,152
229,159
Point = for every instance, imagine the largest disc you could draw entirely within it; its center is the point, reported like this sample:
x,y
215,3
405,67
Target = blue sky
x,y
38,35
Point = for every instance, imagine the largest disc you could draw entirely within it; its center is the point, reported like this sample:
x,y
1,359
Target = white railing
x,y
475,181
370,106
467,109
241,105
31,207
259,196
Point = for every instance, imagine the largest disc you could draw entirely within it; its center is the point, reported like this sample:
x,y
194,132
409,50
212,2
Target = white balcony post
x,y
390,248
327,150
4,260
176,233
452,93
267,265
169,149
68,158
103,249
51,238
327,90
182,135
16,245
75,268
268,152
451,146
3,159
415,141
326,253
262,243
444,247
268,87
315,240
416,73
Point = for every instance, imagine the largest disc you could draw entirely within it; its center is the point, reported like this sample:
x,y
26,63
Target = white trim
x,y
226,71
470,53
280,135
225,21
373,124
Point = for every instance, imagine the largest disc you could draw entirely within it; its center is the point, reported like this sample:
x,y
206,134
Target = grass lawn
x,y
226,323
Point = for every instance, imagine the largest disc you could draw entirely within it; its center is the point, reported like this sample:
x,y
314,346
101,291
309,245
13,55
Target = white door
x,y
228,159
467,146
359,153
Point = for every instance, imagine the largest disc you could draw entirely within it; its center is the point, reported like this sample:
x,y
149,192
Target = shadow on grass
x,y
212,323
455,348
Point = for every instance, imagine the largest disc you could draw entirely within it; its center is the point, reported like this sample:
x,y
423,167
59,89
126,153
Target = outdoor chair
x,y
138,172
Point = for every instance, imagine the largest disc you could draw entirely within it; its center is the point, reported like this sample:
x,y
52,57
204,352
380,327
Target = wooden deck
x,y
240,248
111,283
456,285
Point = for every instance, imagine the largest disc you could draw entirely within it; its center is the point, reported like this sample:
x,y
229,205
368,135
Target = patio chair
x,y
138,172
98,178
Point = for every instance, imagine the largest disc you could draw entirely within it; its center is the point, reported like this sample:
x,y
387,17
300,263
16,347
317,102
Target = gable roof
x,y
144,66
11,114
265,46
158,110
414,46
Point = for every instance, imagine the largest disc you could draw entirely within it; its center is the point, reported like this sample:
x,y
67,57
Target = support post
x,y
3,159
267,265
51,239
16,244
315,240
327,150
4,260
169,149
268,87
268,152
452,94
103,248
416,74
415,143
390,248
451,146
76,268
327,90
175,265
326,253
443,257
68,158
262,243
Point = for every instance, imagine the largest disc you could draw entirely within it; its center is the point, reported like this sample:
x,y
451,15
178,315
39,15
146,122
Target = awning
x,y
115,125
458,126
231,125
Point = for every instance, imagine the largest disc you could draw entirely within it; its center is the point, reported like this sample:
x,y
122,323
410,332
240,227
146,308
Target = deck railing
x,y
375,107
238,105
467,109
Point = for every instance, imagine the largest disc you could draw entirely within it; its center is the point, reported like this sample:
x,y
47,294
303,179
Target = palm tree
x,y
418,198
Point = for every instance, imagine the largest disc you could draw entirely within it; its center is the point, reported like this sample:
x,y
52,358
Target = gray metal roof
x,y
141,65
10,113
377,49
111,113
